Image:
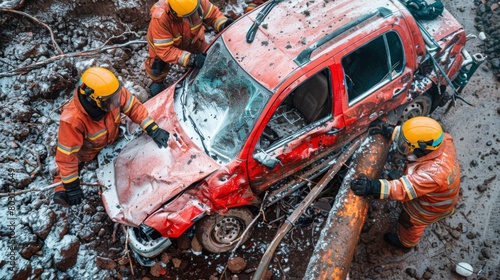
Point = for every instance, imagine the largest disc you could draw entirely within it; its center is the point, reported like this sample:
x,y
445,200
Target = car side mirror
x,y
264,158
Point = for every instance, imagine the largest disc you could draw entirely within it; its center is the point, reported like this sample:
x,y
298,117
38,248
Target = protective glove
x,y
226,24
74,193
363,186
160,136
197,60
380,127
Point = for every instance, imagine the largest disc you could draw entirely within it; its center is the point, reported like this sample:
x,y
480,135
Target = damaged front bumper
x,y
145,247
469,67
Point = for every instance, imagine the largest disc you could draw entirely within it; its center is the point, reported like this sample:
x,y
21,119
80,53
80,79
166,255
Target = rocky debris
x,y
105,263
158,269
66,252
236,265
488,21
412,272
41,221
28,242
196,246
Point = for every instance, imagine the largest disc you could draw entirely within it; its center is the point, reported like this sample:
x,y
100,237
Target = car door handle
x,y
335,131
398,91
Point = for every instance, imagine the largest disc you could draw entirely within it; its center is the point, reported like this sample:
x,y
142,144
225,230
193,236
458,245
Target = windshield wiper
x,y
260,18
202,138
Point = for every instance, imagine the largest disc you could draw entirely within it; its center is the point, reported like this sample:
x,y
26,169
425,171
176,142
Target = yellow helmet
x,y
184,8
102,86
419,132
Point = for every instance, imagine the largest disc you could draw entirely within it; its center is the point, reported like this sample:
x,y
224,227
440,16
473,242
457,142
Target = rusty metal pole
x,y
335,248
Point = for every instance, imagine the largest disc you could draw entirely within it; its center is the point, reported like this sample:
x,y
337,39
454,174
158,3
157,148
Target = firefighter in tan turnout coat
x,y
429,187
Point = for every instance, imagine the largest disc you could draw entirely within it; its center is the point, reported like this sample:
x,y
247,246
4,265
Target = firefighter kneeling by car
x,y
91,121
428,188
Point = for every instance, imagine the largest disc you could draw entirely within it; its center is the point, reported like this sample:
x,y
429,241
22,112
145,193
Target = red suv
x,y
281,91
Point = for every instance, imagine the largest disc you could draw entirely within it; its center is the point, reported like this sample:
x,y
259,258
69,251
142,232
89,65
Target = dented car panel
x,y
256,114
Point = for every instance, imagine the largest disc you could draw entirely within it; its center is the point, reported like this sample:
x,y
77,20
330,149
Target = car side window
x,y
310,102
373,64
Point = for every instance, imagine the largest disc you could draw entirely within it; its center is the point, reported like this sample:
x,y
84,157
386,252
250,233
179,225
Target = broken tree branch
x,y
38,161
38,21
304,204
23,70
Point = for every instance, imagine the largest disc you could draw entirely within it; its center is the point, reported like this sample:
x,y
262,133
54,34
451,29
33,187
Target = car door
x,y
377,77
300,127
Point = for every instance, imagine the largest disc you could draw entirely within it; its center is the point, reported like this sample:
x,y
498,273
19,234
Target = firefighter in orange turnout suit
x,y
429,187
90,122
176,35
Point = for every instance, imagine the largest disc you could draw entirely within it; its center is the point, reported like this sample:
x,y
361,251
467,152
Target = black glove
x,y
74,193
364,187
226,24
380,127
197,60
160,136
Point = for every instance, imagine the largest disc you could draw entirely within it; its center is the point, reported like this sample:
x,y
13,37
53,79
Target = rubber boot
x,y
60,198
156,88
393,240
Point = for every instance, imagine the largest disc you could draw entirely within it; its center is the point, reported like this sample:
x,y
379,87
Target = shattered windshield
x,y
219,105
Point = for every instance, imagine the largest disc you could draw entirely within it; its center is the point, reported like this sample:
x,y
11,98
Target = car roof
x,y
289,28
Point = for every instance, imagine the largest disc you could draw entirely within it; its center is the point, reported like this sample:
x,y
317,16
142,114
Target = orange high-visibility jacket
x,y
173,39
81,138
430,188
252,4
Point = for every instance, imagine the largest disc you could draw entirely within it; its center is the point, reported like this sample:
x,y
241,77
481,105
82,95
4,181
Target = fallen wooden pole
x,y
304,204
335,248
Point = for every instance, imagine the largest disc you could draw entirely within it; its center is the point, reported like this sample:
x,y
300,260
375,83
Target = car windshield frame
x,y
219,104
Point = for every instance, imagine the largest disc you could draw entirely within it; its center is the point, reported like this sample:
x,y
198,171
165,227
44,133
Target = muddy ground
x,y
39,240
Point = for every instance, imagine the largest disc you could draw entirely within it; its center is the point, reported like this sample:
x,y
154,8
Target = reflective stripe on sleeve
x,y
409,187
128,106
384,189
184,58
163,42
146,122
67,150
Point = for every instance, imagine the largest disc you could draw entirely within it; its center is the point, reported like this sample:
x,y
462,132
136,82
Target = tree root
x,y
37,21
26,69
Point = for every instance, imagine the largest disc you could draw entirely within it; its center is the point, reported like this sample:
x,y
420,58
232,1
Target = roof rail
x,y
305,55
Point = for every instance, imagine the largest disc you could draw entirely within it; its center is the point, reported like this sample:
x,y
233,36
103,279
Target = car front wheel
x,y
219,233
420,106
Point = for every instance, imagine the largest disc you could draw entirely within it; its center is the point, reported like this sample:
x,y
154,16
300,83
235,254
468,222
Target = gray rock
x,y
66,254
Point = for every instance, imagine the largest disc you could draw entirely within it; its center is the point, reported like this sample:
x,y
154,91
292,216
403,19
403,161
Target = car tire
x,y
419,106
219,233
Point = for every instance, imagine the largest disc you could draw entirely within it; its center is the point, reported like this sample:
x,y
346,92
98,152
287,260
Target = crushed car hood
x,y
143,177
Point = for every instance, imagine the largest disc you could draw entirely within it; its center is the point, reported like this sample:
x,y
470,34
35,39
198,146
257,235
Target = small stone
x,y
165,258
486,252
427,275
411,272
158,269
236,265
176,262
455,234
105,263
